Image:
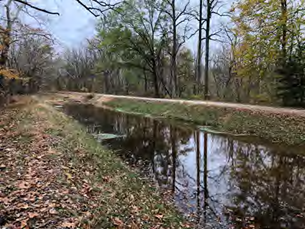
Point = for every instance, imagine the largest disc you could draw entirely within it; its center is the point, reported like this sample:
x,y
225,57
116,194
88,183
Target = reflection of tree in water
x,y
270,186
152,143
245,181
265,189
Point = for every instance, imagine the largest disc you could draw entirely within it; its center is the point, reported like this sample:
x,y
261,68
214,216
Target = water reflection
x,y
222,182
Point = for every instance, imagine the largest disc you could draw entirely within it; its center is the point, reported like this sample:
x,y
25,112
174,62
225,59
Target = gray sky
x,y
74,24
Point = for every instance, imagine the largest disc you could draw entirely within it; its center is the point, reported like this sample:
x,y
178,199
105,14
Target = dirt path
x,y
100,98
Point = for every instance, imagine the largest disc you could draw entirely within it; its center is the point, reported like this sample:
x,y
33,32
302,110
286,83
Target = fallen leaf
x,y
33,215
88,214
69,175
53,211
131,197
23,206
185,225
133,225
145,217
117,222
106,178
68,225
160,217
23,185
24,223
43,209
135,209
4,200
52,151
52,205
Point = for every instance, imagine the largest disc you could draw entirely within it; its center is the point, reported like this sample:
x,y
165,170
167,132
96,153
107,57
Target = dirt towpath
x,y
100,98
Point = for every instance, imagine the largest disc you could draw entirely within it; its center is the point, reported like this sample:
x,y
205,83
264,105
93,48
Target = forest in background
x,y
249,51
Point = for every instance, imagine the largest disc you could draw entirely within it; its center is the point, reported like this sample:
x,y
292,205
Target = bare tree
x,y
32,56
201,21
79,65
177,17
211,9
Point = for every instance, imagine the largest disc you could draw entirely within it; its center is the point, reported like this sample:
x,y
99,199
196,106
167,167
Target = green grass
x,y
276,127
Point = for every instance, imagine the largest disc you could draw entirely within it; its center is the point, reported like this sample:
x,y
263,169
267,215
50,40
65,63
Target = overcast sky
x,y
75,24
72,27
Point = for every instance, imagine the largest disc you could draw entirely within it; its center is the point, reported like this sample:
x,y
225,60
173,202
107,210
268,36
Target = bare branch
x,y
195,15
193,34
215,34
87,8
217,40
36,8
184,10
182,21
221,15
104,7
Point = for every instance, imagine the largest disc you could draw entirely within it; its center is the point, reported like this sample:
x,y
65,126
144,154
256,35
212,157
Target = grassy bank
x,y
55,175
276,127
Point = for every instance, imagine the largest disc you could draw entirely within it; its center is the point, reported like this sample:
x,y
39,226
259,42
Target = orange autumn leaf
x,y
9,73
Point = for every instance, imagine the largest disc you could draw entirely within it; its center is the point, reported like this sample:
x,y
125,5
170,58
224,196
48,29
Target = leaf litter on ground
x,y
54,175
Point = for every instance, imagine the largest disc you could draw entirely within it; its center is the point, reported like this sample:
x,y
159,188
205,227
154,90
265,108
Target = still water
x,y
218,180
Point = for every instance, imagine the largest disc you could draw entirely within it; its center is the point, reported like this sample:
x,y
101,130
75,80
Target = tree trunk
x,y
207,51
284,31
205,175
199,50
174,156
156,80
106,82
145,83
174,52
198,167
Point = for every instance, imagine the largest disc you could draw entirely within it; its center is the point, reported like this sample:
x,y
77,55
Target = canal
x,y
219,181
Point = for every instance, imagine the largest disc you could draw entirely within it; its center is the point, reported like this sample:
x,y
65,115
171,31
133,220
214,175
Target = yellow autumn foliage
x,y
9,73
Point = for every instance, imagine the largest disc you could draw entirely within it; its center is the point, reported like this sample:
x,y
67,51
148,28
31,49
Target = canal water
x,y
219,181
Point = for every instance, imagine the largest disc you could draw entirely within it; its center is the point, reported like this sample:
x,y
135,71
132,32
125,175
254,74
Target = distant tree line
x,y
247,51
28,61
